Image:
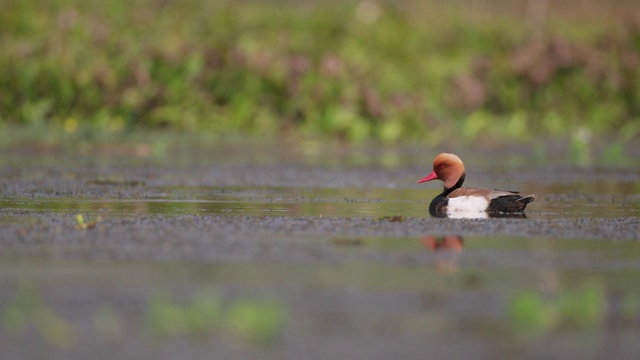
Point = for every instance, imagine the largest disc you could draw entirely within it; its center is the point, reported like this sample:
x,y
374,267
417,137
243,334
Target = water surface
x,y
337,239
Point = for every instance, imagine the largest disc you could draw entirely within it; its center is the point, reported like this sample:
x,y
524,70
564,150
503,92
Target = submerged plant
x,y
85,222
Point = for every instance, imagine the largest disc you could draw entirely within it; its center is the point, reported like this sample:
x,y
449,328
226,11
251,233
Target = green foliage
x,y
28,308
355,70
201,315
585,306
255,321
529,311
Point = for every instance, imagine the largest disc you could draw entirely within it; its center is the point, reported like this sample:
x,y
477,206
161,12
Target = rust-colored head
x,y
446,167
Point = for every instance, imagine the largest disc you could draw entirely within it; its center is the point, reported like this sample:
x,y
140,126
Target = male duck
x,y
458,202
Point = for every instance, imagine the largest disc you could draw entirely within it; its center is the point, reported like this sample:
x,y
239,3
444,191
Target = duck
x,y
456,201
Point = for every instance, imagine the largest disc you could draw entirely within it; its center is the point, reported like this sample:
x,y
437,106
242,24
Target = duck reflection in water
x,y
448,251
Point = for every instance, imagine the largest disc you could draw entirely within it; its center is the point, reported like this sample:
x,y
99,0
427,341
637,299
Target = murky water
x,y
328,254
567,201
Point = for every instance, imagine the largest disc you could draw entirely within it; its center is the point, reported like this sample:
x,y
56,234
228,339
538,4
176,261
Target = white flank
x,y
467,207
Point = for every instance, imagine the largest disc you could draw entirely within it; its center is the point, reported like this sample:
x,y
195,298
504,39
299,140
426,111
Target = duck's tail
x,y
526,199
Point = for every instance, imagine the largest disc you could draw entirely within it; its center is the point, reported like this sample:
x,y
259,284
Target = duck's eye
x,y
441,167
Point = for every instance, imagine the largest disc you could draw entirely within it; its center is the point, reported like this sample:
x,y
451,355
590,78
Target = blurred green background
x,y
423,71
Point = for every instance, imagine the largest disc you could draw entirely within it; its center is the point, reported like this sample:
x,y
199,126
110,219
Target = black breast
x,y
438,206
